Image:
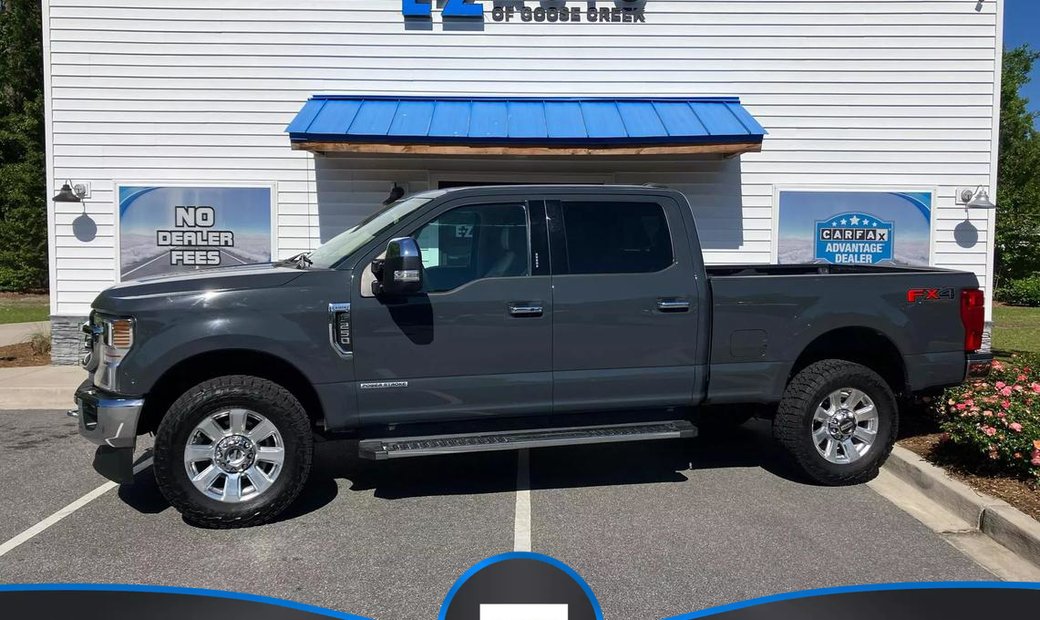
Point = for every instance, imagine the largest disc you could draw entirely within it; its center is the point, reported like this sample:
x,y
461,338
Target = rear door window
x,y
616,237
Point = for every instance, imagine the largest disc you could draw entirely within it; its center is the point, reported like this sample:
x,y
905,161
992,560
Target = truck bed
x,y
727,271
764,316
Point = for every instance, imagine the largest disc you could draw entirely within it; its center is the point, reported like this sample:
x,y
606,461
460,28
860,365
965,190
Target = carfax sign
x,y
164,230
853,238
854,227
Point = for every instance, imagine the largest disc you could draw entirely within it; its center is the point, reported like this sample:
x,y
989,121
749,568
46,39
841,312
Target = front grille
x,y
88,411
91,332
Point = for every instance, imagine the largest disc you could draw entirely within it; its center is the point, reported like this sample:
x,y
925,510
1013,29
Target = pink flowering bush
x,y
998,418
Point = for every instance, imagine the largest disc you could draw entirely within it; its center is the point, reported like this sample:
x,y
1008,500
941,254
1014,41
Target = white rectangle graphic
x,y
523,612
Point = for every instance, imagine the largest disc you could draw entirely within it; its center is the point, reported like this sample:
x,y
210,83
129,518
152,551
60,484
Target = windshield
x,y
349,241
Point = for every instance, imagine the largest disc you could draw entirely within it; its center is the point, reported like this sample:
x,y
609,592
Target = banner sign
x,y
558,11
854,227
166,230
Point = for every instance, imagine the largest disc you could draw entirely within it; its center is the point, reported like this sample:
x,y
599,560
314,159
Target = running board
x,y
395,448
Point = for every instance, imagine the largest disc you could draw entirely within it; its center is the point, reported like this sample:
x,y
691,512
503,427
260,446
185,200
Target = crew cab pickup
x,y
495,318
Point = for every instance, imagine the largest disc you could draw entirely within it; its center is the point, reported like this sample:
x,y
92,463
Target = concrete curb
x,y
995,518
15,333
39,387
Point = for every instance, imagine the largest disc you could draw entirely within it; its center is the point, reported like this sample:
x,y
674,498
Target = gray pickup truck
x,y
497,318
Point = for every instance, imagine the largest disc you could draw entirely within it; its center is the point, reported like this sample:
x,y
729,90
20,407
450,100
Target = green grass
x,y
24,308
1016,330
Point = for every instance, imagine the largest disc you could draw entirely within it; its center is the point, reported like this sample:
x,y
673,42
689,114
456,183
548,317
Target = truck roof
x,y
565,188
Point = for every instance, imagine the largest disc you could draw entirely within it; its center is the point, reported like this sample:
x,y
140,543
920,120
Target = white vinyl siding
x,y
866,94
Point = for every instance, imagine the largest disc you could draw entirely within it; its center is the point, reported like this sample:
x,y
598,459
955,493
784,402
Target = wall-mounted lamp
x,y
396,192
83,227
67,194
977,198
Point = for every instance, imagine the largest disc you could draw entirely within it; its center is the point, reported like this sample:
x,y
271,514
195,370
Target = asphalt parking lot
x,y
656,529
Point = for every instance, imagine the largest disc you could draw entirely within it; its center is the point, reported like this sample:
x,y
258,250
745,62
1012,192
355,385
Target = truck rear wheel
x,y
837,420
233,451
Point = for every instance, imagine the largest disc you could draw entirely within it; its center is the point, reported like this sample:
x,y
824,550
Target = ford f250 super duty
x,y
495,318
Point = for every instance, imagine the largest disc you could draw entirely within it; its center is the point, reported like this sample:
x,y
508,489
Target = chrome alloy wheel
x,y
234,455
844,426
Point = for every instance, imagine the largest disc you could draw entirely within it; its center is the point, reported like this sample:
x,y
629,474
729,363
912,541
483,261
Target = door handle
x,y
525,308
673,304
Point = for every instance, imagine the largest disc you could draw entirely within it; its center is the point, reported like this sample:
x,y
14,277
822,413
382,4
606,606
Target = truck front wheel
x,y
837,421
233,451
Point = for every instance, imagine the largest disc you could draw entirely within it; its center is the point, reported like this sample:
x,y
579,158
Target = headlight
x,y
117,337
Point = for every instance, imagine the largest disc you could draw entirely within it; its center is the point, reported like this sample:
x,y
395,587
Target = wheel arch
x,y
859,344
207,365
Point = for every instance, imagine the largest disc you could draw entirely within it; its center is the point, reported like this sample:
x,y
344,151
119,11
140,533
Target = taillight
x,y
973,316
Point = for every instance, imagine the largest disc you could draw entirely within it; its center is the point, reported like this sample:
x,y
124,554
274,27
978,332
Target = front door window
x,y
474,242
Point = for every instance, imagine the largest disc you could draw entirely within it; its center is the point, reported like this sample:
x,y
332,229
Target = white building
x,y
868,98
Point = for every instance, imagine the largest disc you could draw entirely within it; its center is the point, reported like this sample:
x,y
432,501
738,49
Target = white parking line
x,y
42,526
522,520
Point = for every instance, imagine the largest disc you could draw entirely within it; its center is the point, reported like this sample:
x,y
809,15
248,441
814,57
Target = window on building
x,y
616,237
474,242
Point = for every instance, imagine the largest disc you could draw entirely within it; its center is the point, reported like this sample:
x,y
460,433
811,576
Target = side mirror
x,y
400,271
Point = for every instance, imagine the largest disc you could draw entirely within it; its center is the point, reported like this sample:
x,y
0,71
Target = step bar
x,y
404,447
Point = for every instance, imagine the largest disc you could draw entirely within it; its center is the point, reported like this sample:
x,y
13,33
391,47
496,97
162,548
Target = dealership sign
x,y
853,226
853,238
165,230
558,11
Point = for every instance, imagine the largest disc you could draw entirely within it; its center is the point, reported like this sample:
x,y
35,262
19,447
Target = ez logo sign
x,y
452,8
626,11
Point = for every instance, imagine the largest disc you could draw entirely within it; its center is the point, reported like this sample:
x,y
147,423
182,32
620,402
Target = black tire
x,y
265,397
792,426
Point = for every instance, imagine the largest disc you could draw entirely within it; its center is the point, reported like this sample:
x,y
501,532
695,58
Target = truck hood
x,y
264,275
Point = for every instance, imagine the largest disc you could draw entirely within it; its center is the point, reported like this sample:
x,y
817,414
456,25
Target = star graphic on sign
x,y
844,222
875,224
855,220
866,222
834,223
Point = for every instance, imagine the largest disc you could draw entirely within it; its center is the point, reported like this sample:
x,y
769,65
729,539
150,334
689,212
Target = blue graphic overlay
x,y
523,590
873,587
187,592
854,227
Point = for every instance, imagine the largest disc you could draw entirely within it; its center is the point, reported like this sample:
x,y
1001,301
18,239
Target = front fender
x,y
298,335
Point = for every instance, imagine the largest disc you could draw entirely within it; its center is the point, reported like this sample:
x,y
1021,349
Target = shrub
x,y
40,343
998,418
1022,292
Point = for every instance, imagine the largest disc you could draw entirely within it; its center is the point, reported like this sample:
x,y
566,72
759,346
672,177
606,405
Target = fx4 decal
x,y
917,295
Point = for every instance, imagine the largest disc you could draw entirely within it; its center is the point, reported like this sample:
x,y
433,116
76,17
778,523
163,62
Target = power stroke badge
x,y
383,385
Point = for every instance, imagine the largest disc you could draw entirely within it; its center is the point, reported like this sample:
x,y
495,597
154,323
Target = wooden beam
x,y
528,151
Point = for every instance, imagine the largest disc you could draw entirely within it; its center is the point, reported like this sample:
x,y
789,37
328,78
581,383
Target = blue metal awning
x,y
518,125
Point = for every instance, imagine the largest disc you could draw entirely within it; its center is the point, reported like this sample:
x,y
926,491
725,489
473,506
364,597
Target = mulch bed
x,y
20,355
1020,493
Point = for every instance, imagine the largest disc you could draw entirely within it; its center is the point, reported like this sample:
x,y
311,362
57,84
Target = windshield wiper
x,y
300,261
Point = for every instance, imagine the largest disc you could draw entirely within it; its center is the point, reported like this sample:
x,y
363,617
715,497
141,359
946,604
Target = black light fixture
x,y
66,194
396,192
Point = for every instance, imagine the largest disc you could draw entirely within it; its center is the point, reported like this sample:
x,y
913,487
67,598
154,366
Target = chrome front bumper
x,y
107,420
111,423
